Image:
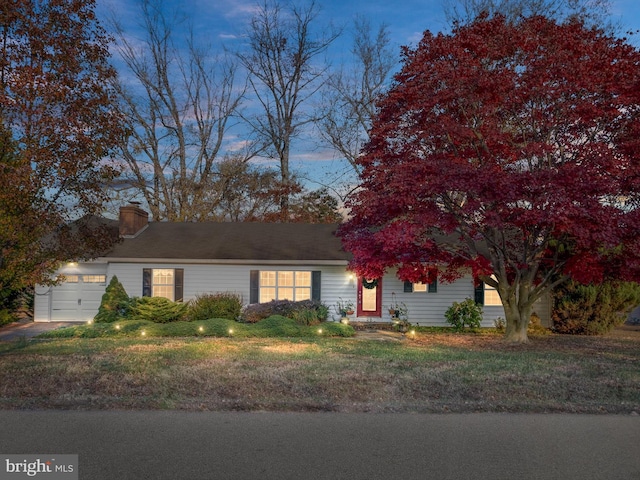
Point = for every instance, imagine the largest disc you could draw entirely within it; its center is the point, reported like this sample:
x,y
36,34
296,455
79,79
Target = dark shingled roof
x,y
233,241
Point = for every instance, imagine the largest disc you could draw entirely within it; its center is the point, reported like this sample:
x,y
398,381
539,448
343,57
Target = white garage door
x,y
78,298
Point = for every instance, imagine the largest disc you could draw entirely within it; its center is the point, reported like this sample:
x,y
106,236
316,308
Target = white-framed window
x,y
284,285
71,278
163,283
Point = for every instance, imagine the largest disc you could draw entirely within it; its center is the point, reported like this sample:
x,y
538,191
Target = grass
x,y
274,326
434,372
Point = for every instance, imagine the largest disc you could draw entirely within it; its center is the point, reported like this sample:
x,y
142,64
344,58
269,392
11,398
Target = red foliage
x,y
505,148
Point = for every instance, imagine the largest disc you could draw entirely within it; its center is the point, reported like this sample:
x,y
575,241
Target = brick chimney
x,y
133,219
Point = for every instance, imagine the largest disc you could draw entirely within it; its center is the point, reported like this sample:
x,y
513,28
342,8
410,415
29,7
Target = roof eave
x,y
232,261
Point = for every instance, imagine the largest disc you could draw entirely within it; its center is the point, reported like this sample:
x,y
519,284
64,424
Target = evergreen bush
x,y
115,303
6,317
593,309
158,310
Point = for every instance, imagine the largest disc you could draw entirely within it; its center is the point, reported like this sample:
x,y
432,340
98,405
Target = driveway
x,y
175,445
29,329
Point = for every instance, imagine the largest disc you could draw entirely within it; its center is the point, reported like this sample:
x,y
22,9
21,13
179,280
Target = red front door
x,y
369,298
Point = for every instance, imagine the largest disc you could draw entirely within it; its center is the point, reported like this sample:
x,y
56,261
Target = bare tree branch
x,y
284,75
179,109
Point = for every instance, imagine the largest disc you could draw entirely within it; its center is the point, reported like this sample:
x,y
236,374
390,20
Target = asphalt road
x,y
173,445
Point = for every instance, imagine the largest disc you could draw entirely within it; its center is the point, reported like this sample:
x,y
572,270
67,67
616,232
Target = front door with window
x,y
369,298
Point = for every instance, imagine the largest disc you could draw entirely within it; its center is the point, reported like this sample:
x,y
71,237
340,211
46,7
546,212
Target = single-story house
x,y
259,261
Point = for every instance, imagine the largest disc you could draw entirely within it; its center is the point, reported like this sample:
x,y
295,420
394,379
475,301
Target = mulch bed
x,y
364,326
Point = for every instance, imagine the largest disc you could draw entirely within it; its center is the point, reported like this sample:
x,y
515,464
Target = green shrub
x,y
6,317
464,314
275,326
158,310
115,304
215,305
305,312
310,312
593,309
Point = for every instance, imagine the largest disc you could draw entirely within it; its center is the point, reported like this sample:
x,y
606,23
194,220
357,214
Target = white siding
x,y
427,309
198,279
336,284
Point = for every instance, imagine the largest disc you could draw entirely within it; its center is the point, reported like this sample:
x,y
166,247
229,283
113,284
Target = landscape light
x,y
201,328
143,333
117,327
319,331
231,331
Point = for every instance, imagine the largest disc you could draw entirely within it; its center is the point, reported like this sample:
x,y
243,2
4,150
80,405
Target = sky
x,y
222,22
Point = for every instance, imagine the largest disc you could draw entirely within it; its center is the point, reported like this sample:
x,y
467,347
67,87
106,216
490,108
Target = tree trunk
x,y
517,317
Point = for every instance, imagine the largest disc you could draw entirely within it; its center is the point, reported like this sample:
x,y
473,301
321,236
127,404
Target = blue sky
x,y
223,22
225,19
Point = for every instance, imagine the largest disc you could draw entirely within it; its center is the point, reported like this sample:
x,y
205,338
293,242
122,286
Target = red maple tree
x,y
510,151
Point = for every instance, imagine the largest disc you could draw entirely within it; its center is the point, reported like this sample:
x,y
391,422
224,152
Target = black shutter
x,y
433,286
315,285
178,286
408,287
254,286
146,282
478,293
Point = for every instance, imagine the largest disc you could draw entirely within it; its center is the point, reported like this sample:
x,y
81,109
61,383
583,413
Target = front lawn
x,y
433,372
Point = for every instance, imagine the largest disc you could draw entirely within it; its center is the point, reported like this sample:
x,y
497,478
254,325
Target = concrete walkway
x,y
171,445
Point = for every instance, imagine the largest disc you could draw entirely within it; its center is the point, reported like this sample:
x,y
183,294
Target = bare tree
x,y
280,60
178,110
591,11
350,94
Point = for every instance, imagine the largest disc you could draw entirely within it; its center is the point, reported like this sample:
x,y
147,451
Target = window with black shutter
x,y
163,282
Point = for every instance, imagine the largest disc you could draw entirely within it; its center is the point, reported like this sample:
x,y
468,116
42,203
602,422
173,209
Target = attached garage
x,y
76,299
